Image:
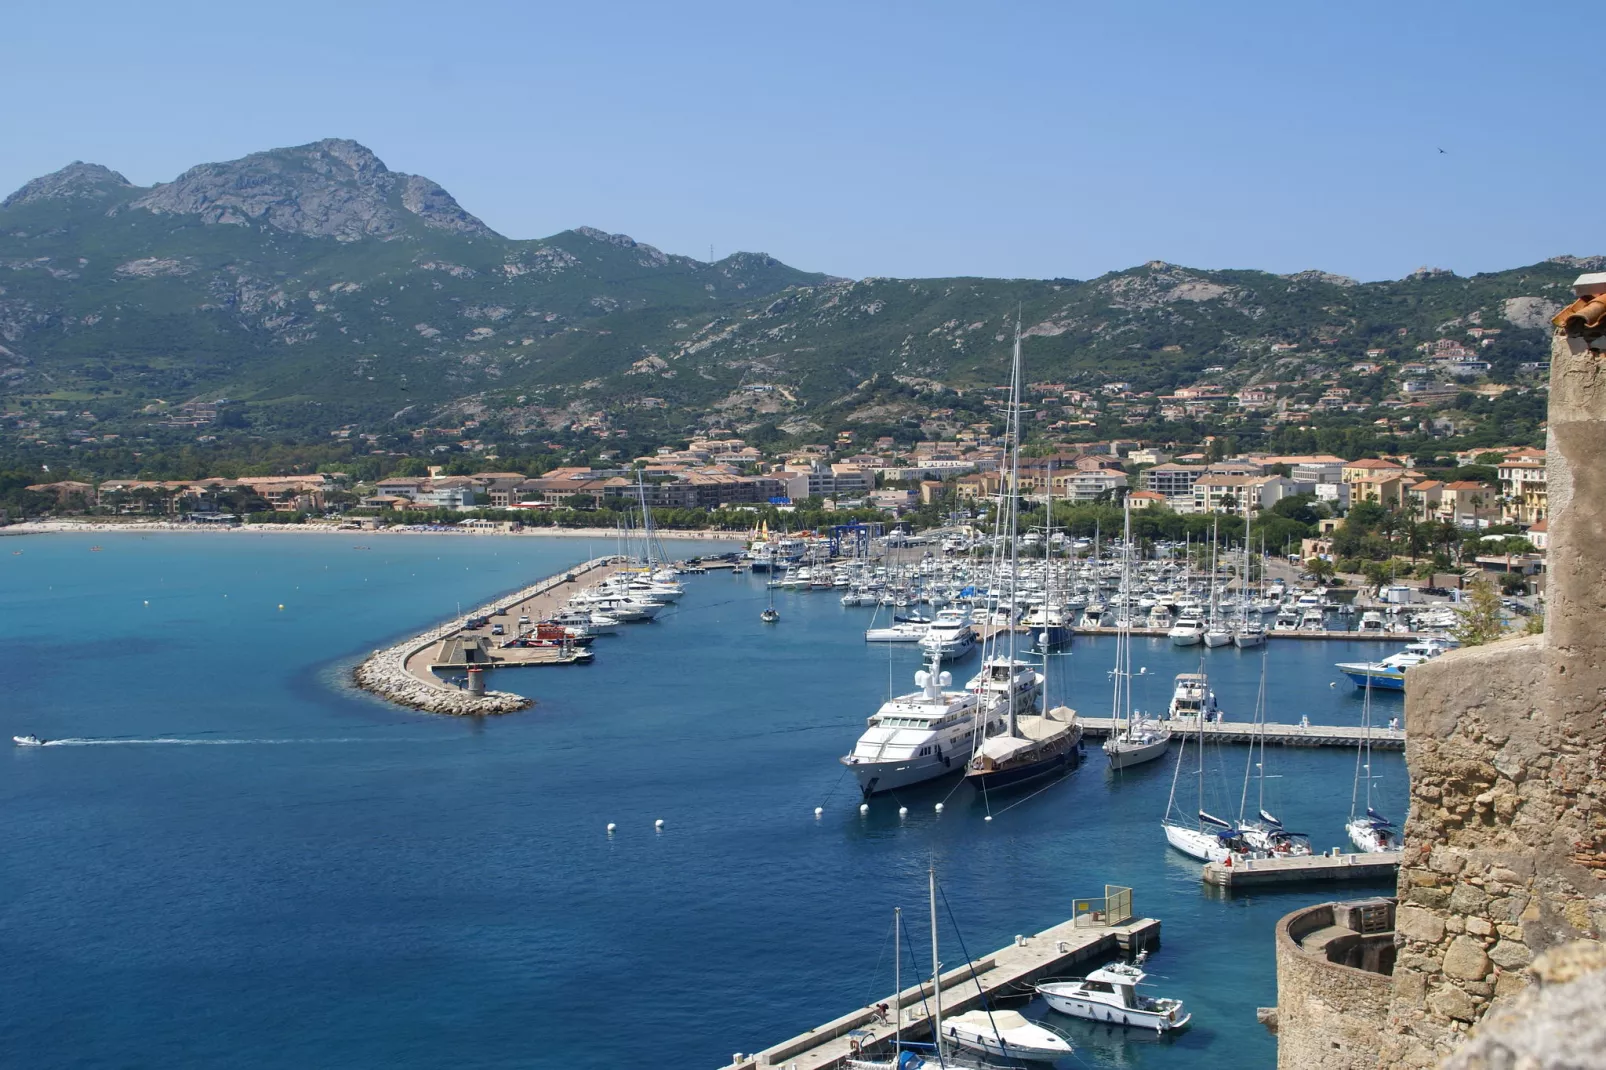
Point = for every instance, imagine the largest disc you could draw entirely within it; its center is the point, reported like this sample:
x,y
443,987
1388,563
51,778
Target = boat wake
x,y
176,741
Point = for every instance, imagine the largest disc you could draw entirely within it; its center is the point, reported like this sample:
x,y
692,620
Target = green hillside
x,y
322,291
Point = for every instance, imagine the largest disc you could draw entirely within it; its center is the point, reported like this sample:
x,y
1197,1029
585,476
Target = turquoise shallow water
x,y
308,877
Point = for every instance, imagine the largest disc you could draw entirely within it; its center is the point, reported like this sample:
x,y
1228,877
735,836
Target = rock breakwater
x,y
385,673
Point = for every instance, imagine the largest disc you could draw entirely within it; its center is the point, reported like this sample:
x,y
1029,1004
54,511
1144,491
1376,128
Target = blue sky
x,y
910,139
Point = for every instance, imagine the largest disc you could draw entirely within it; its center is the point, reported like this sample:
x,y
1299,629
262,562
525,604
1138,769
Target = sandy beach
x,y
147,527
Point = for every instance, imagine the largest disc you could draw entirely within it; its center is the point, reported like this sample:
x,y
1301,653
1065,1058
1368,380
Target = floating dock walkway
x,y
1254,872
1293,735
1007,973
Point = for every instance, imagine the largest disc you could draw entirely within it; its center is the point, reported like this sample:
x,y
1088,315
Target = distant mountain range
x,y
323,290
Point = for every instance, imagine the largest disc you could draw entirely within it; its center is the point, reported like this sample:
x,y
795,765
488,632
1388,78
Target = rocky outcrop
x,y
76,181
334,188
385,671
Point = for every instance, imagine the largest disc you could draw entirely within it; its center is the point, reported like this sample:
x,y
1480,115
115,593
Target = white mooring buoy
x,y
659,824
864,808
903,811
611,827
818,810
989,817
939,808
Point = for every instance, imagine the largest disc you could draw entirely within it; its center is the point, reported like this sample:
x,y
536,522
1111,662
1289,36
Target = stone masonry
x,y
1505,843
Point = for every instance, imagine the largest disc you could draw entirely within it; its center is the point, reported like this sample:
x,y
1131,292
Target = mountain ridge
x,y
327,292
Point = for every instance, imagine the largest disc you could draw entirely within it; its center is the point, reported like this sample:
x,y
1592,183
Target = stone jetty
x,y
385,671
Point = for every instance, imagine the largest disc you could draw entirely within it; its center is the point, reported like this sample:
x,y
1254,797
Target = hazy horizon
x,y
899,141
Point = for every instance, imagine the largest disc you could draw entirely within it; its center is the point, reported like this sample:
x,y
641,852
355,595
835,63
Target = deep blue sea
x,y
290,874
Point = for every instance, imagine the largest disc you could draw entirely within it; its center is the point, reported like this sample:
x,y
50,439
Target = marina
x,y
672,723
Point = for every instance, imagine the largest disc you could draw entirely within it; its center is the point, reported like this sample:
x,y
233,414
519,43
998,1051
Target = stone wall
x,y
1505,843
1327,1014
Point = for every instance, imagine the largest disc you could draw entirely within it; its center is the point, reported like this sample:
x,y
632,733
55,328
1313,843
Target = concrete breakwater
x,y
385,672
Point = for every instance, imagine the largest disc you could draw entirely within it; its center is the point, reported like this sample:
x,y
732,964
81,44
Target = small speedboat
x,y
770,615
28,741
1005,1034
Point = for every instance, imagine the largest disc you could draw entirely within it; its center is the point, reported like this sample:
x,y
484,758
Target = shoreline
x,y
384,672
146,527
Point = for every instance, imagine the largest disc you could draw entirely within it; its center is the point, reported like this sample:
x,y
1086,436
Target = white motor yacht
x,y
1005,1034
1001,681
901,632
921,735
1187,631
1192,697
1371,623
1389,674
1110,994
950,636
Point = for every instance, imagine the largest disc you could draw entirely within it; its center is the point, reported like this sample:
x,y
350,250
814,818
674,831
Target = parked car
x,y
497,629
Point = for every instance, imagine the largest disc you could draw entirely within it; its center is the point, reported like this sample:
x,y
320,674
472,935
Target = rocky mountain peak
x,y
335,188
76,180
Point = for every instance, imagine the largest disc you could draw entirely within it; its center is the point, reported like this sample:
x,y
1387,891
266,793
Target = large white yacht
x,y
1192,697
1110,994
921,735
950,635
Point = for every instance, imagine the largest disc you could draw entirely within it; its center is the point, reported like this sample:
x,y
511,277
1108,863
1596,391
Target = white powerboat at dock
x,y
1110,995
1006,1035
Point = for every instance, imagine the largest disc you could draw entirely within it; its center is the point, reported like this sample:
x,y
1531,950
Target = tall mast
x,y
897,980
1014,514
936,969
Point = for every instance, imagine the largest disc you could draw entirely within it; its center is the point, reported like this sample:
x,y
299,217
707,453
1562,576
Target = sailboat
x,y
1215,633
1250,632
1208,838
1134,739
770,614
986,1033
1050,623
1031,745
1371,832
1264,832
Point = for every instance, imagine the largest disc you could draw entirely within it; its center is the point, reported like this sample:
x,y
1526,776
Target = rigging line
x,y
970,964
880,957
1063,776
834,786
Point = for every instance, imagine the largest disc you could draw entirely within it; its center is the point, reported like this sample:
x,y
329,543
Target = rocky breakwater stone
x,y
384,673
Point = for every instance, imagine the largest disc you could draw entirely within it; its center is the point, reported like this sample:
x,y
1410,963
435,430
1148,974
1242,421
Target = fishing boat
x,y
1370,832
1133,739
1110,994
921,735
1389,674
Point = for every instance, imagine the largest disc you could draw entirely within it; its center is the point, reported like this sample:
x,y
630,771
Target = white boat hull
x,y
877,777
1022,1042
1366,838
1124,753
1247,640
1204,846
1075,1007
1216,639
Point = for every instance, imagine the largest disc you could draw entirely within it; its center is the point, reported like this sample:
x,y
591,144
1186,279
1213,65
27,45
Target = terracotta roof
x,y
1467,484
1586,312
1426,484
1372,462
